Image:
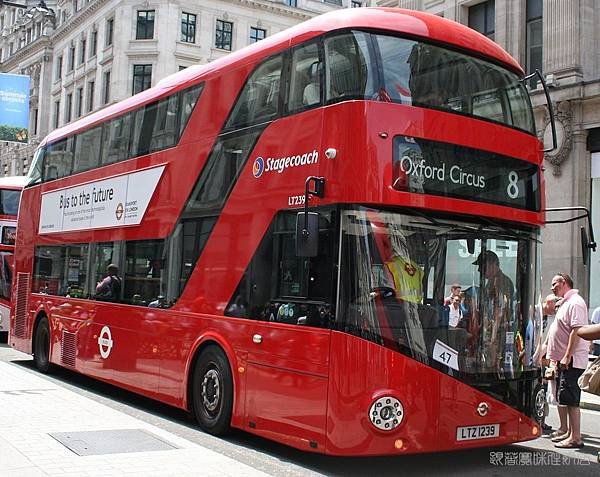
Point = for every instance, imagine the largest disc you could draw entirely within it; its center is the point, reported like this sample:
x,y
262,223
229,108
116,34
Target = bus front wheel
x,y
213,391
41,346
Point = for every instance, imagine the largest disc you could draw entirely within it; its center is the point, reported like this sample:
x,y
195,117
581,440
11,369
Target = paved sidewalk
x,y
590,401
32,408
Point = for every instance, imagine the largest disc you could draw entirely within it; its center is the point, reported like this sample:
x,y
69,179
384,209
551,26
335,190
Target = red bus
x,y
410,141
10,195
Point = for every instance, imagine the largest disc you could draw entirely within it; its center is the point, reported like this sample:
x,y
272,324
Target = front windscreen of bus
x,y
399,289
9,202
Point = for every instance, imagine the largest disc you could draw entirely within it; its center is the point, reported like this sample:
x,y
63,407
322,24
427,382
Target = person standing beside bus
x,y
109,289
570,353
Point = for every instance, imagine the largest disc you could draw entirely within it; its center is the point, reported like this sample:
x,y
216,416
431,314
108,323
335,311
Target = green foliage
x,y
11,133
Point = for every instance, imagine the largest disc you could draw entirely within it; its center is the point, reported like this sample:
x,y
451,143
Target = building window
x,y
188,27
90,95
335,2
534,39
257,34
71,59
68,107
93,43
223,35
482,18
142,78
291,3
145,25
110,28
82,51
56,113
59,61
106,87
79,102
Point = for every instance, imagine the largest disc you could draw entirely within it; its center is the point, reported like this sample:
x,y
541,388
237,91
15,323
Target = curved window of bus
x,y
34,176
429,76
306,78
397,271
350,72
259,100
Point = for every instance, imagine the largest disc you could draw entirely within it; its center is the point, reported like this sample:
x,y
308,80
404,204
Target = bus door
x,y
288,354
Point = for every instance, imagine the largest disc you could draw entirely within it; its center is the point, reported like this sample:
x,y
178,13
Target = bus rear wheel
x,y
41,346
213,391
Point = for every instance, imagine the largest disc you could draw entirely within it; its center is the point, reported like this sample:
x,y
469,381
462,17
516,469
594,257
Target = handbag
x,y
589,381
550,373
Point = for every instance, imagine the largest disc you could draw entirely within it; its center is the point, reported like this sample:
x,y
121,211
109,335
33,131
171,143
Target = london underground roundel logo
x,y
258,167
105,342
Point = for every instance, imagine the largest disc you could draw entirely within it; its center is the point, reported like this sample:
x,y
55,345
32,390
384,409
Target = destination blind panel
x,y
436,168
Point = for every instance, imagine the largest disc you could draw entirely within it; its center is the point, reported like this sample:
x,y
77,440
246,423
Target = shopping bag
x,y
589,381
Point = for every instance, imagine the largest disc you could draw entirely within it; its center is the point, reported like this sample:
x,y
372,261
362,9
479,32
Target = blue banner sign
x,y
14,108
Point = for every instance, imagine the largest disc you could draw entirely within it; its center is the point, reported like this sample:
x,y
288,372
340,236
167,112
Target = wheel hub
x,y
211,391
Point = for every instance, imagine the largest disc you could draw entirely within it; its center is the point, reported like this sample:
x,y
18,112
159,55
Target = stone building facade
x,y
82,55
560,38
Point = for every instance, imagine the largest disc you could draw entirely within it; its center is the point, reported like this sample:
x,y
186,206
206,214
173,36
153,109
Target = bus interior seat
x,y
312,91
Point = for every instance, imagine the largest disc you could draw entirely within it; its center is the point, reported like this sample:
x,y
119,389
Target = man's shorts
x,y
568,392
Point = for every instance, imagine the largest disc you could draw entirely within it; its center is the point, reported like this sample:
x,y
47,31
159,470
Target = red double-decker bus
x,y
10,195
285,225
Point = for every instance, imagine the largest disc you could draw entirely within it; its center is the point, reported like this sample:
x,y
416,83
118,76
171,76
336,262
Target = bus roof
x,y
13,182
409,22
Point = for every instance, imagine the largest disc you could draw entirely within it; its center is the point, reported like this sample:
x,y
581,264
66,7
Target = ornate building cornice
x,y
40,45
79,19
275,7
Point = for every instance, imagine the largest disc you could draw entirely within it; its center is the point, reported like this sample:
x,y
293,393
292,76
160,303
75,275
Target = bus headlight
x,y
386,413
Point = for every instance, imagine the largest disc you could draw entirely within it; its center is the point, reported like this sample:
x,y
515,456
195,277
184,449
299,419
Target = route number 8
x,y
512,190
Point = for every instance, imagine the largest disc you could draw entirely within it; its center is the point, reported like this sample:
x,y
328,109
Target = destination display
x,y
430,167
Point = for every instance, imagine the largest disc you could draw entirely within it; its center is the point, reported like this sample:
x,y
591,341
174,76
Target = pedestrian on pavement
x,y
569,353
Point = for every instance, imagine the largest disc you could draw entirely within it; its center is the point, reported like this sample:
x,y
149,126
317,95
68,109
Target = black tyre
x,y
41,346
212,392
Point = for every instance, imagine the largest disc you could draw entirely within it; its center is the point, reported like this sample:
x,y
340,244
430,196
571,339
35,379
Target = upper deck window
x,y
150,128
259,100
363,66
